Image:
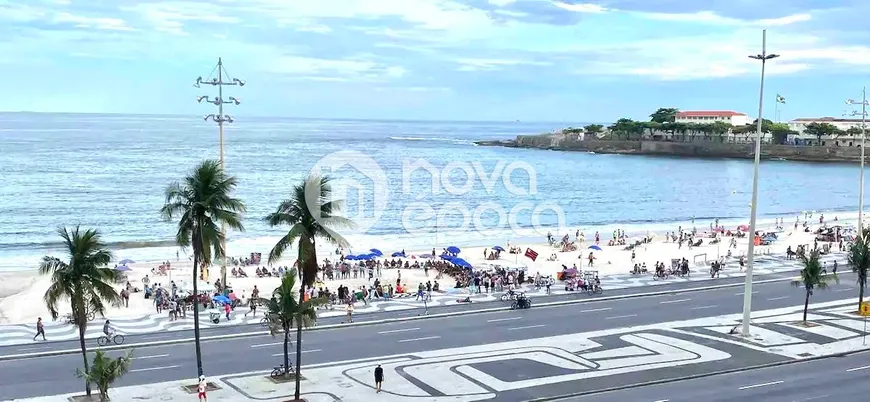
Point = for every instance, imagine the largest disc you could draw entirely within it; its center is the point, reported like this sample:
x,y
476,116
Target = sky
x,y
529,60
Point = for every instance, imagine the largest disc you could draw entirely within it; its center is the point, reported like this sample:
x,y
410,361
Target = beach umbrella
x,y
350,257
376,252
498,248
122,268
594,247
126,261
366,257
459,262
453,249
222,299
448,257
398,254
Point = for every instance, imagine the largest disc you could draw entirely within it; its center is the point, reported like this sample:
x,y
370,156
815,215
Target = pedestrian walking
x,y
349,310
252,304
201,389
40,329
227,310
379,378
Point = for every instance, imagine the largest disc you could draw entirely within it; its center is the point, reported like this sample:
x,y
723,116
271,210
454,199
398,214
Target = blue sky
x,y
569,60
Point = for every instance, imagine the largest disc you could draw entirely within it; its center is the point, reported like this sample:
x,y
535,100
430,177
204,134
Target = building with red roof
x,y
710,116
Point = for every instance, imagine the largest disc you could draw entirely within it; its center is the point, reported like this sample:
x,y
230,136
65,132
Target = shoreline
x,y
21,291
696,149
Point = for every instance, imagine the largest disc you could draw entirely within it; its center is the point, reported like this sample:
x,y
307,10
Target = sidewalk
x,y
56,331
480,372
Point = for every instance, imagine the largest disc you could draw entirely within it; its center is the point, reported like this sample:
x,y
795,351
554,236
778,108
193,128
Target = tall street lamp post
x,y
747,291
223,79
861,175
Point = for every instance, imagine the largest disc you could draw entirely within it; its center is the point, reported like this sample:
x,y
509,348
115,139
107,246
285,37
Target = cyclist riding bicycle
x,y
107,329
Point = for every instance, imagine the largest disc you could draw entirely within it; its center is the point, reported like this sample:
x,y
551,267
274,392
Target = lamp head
x,y
772,56
199,99
235,100
238,81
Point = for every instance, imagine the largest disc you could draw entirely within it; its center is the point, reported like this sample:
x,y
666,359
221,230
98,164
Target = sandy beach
x,y
21,292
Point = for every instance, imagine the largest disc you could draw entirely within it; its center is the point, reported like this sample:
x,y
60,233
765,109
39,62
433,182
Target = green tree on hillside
x,y
84,280
820,130
779,131
664,115
593,129
854,132
201,202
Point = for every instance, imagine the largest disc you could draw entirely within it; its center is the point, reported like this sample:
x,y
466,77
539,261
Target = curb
x,y
694,376
387,321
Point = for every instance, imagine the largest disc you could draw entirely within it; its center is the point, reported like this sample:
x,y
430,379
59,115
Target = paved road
x,y
54,375
834,379
766,266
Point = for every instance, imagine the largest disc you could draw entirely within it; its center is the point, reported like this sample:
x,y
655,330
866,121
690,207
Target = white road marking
x,y
620,316
527,327
674,301
153,368
293,352
504,319
844,290
662,400
262,345
743,293
392,331
705,307
857,368
777,298
148,357
596,309
419,339
761,385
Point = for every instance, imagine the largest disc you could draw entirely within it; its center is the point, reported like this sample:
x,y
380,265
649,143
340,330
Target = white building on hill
x,y
710,116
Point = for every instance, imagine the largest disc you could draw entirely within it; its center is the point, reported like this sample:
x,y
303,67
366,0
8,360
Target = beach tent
x,y
459,262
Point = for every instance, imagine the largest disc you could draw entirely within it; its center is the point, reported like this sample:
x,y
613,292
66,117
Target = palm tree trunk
x,y
196,254
286,351
82,327
806,305
299,341
860,293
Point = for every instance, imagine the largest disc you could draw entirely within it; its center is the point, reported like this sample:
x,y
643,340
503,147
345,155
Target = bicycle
x,y
105,340
71,320
265,321
280,371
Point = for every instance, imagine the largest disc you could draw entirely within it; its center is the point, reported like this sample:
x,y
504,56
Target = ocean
x,y
110,172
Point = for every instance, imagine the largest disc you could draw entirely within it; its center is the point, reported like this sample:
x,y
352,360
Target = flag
x,y
531,254
780,99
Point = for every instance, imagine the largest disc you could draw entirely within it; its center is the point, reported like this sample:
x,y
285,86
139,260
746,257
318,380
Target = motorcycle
x,y
521,303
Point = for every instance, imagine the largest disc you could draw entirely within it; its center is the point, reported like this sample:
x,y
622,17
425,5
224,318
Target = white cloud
x,y
170,17
316,28
101,23
711,18
580,8
501,3
320,69
494,64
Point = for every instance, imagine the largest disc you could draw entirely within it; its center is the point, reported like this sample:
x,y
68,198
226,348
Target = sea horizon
x,y
110,173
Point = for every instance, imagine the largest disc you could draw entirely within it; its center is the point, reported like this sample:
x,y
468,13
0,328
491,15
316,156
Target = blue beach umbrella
x,y
448,257
453,249
459,262
398,254
376,252
366,257
594,247
498,248
350,257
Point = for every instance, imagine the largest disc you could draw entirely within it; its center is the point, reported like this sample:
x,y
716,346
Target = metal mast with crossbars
x,y
220,81
863,104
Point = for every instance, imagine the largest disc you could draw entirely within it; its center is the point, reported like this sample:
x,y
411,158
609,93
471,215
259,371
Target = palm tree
x,y
283,310
311,213
202,202
85,280
812,277
859,259
105,371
